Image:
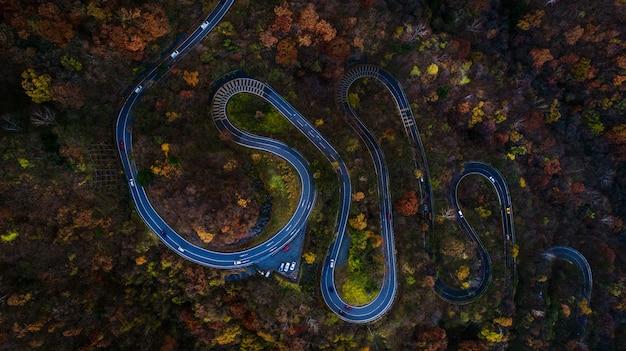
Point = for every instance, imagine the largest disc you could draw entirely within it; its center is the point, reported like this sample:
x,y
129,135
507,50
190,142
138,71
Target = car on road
x,y
293,266
138,89
286,248
388,215
460,214
348,307
332,263
425,208
282,265
492,179
342,312
132,182
204,24
287,267
508,210
163,232
174,54
181,249
122,146
237,262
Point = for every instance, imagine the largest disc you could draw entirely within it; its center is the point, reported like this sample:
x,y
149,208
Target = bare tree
x,y
518,124
420,30
10,124
43,117
475,27
312,325
448,213
606,179
607,220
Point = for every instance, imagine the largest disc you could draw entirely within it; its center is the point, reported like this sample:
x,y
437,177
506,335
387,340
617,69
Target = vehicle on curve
x,y
132,182
293,266
348,307
237,262
460,214
204,24
174,54
122,146
286,248
138,89
181,249
508,210
332,263
492,179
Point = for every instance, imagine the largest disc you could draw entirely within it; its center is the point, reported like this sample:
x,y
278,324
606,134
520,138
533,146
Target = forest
x,y
536,88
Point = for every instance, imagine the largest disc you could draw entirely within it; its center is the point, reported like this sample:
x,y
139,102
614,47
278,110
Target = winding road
x,y
576,258
123,133
495,178
234,84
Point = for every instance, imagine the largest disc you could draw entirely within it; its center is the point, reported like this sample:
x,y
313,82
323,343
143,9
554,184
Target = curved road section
x,y
457,296
463,296
576,258
236,85
384,300
123,133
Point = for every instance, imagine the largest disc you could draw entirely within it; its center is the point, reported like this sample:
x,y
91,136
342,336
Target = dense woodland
x,y
536,88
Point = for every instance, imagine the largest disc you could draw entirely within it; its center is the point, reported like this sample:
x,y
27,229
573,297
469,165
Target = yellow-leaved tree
x,y
37,86
504,321
490,336
359,222
191,78
462,272
309,257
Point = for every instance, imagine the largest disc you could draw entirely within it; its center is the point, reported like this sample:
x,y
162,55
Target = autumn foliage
x,y
408,204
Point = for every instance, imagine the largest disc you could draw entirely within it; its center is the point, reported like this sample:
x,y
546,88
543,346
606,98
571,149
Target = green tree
x,y
70,63
592,119
554,114
145,177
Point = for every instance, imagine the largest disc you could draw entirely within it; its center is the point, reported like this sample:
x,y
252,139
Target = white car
x,y
492,180
174,54
181,249
204,24
267,274
293,266
131,182
287,267
282,265
237,262
332,263
138,89
460,214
